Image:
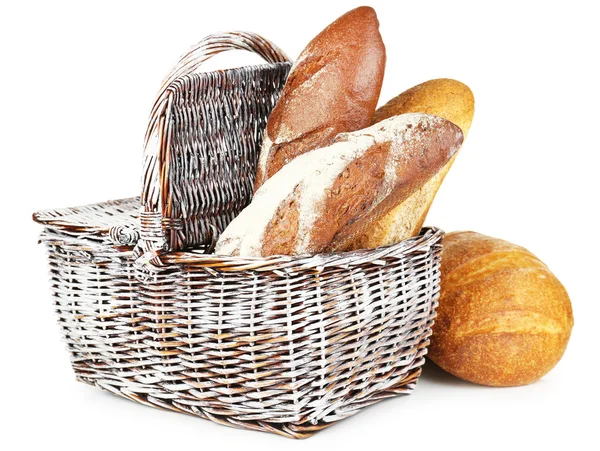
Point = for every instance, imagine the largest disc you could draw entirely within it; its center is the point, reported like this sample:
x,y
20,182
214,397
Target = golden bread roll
x,y
442,97
503,318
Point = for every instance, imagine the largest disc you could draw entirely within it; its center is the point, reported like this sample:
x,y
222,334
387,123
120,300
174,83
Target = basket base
x,y
295,430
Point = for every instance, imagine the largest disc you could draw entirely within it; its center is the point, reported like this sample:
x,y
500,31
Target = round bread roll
x,y
503,318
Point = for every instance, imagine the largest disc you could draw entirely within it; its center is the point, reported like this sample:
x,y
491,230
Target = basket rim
x,y
245,68
60,219
428,237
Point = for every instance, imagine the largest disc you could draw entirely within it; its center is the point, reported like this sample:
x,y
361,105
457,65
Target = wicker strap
x,y
155,172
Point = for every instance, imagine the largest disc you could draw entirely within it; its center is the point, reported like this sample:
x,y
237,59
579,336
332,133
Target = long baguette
x,y
322,200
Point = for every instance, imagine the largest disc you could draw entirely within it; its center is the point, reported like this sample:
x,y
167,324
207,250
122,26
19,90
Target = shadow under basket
x,y
283,344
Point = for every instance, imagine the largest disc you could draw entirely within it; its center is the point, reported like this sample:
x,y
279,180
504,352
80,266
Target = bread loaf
x,y
503,318
333,87
443,97
322,199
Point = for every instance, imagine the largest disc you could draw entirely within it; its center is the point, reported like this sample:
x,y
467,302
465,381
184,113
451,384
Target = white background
x,y
78,80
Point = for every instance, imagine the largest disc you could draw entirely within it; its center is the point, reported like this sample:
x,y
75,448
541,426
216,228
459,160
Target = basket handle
x,y
207,48
155,173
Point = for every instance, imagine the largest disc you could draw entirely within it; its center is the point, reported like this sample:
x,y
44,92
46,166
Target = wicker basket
x,y
282,344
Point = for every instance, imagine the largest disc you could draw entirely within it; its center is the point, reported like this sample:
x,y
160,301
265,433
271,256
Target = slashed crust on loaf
x,y
352,195
333,87
322,199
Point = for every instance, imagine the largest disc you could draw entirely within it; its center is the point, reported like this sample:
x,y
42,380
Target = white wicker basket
x,y
281,344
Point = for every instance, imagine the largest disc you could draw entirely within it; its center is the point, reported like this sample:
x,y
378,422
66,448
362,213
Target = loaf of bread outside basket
x,y
322,199
333,87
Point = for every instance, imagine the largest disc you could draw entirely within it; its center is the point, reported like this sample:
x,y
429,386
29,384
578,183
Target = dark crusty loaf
x,y
321,200
333,87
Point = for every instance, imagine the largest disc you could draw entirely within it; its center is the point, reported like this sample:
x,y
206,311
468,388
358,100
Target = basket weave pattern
x,y
202,142
282,344
217,117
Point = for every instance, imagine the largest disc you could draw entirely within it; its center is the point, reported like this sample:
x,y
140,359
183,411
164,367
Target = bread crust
x,y
445,97
333,87
442,97
503,318
319,201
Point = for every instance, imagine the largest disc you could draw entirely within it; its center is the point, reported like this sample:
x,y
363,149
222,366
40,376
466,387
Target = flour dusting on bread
x,y
315,171
334,160
417,145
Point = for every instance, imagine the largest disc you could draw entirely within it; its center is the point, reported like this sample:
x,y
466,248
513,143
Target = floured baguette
x,y
323,199
442,97
333,87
